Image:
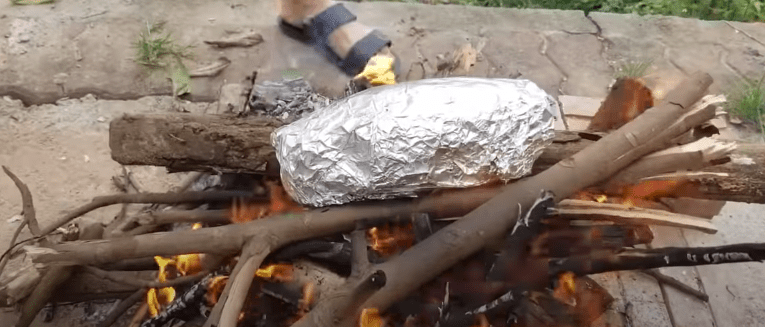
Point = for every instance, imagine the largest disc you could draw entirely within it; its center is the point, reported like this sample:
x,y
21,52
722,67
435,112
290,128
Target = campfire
x,y
234,249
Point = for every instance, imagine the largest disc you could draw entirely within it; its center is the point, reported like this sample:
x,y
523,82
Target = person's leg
x,y
342,40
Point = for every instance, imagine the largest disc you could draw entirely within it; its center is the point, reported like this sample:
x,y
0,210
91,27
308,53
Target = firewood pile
x,y
230,248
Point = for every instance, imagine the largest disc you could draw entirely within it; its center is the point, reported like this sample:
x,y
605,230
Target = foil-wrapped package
x,y
391,141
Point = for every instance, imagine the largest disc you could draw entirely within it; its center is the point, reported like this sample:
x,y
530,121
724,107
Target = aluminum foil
x,y
391,141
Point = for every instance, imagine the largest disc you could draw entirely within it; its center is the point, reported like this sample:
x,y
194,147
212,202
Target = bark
x,y
193,142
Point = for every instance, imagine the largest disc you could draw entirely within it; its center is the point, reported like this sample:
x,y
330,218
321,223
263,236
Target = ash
x,y
287,100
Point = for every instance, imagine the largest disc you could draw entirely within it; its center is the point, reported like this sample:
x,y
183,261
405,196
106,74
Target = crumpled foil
x,y
391,141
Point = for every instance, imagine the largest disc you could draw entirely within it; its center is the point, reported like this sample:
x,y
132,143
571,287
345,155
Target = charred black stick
x,y
182,306
658,258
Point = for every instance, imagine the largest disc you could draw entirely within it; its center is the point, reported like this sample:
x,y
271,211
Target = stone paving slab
x,y
684,309
735,290
84,46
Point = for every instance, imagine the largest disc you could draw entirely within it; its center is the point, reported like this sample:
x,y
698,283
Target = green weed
x,y
747,100
634,69
733,10
157,50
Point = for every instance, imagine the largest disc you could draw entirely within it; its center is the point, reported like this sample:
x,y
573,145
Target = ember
x,y
276,272
370,317
390,239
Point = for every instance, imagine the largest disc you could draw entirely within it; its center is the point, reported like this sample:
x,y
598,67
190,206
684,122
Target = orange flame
x,y
215,289
279,272
566,289
370,317
280,202
390,239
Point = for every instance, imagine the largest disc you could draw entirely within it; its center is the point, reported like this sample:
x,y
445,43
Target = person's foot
x,y
342,40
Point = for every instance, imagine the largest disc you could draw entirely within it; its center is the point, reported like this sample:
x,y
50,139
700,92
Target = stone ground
x,y
59,146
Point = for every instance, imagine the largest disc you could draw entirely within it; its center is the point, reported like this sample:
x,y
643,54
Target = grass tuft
x,y
634,69
155,49
747,101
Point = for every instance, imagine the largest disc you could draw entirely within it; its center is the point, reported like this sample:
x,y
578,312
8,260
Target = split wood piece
x,y
425,260
621,214
164,198
193,142
680,286
697,155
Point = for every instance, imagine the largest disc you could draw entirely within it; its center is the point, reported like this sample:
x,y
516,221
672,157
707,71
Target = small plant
x,y
747,100
156,50
633,69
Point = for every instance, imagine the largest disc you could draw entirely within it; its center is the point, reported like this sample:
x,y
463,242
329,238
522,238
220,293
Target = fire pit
x,y
233,249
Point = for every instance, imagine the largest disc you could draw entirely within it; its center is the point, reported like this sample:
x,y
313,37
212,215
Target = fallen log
x,y
243,145
193,142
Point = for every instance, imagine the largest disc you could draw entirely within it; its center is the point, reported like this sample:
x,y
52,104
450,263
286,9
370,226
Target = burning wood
x,y
599,196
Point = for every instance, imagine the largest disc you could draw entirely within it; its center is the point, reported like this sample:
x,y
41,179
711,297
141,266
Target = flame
x,y
370,317
169,268
601,198
279,272
156,299
280,202
566,289
390,239
215,289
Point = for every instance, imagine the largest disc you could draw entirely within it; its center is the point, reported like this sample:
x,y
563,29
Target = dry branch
x,y
164,198
27,204
123,306
680,286
621,214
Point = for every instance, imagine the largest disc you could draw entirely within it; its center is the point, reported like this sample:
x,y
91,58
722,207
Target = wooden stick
x,y
166,198
238,286
184,216
658,258
578,209
27,204
678,285
142,283
42,293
